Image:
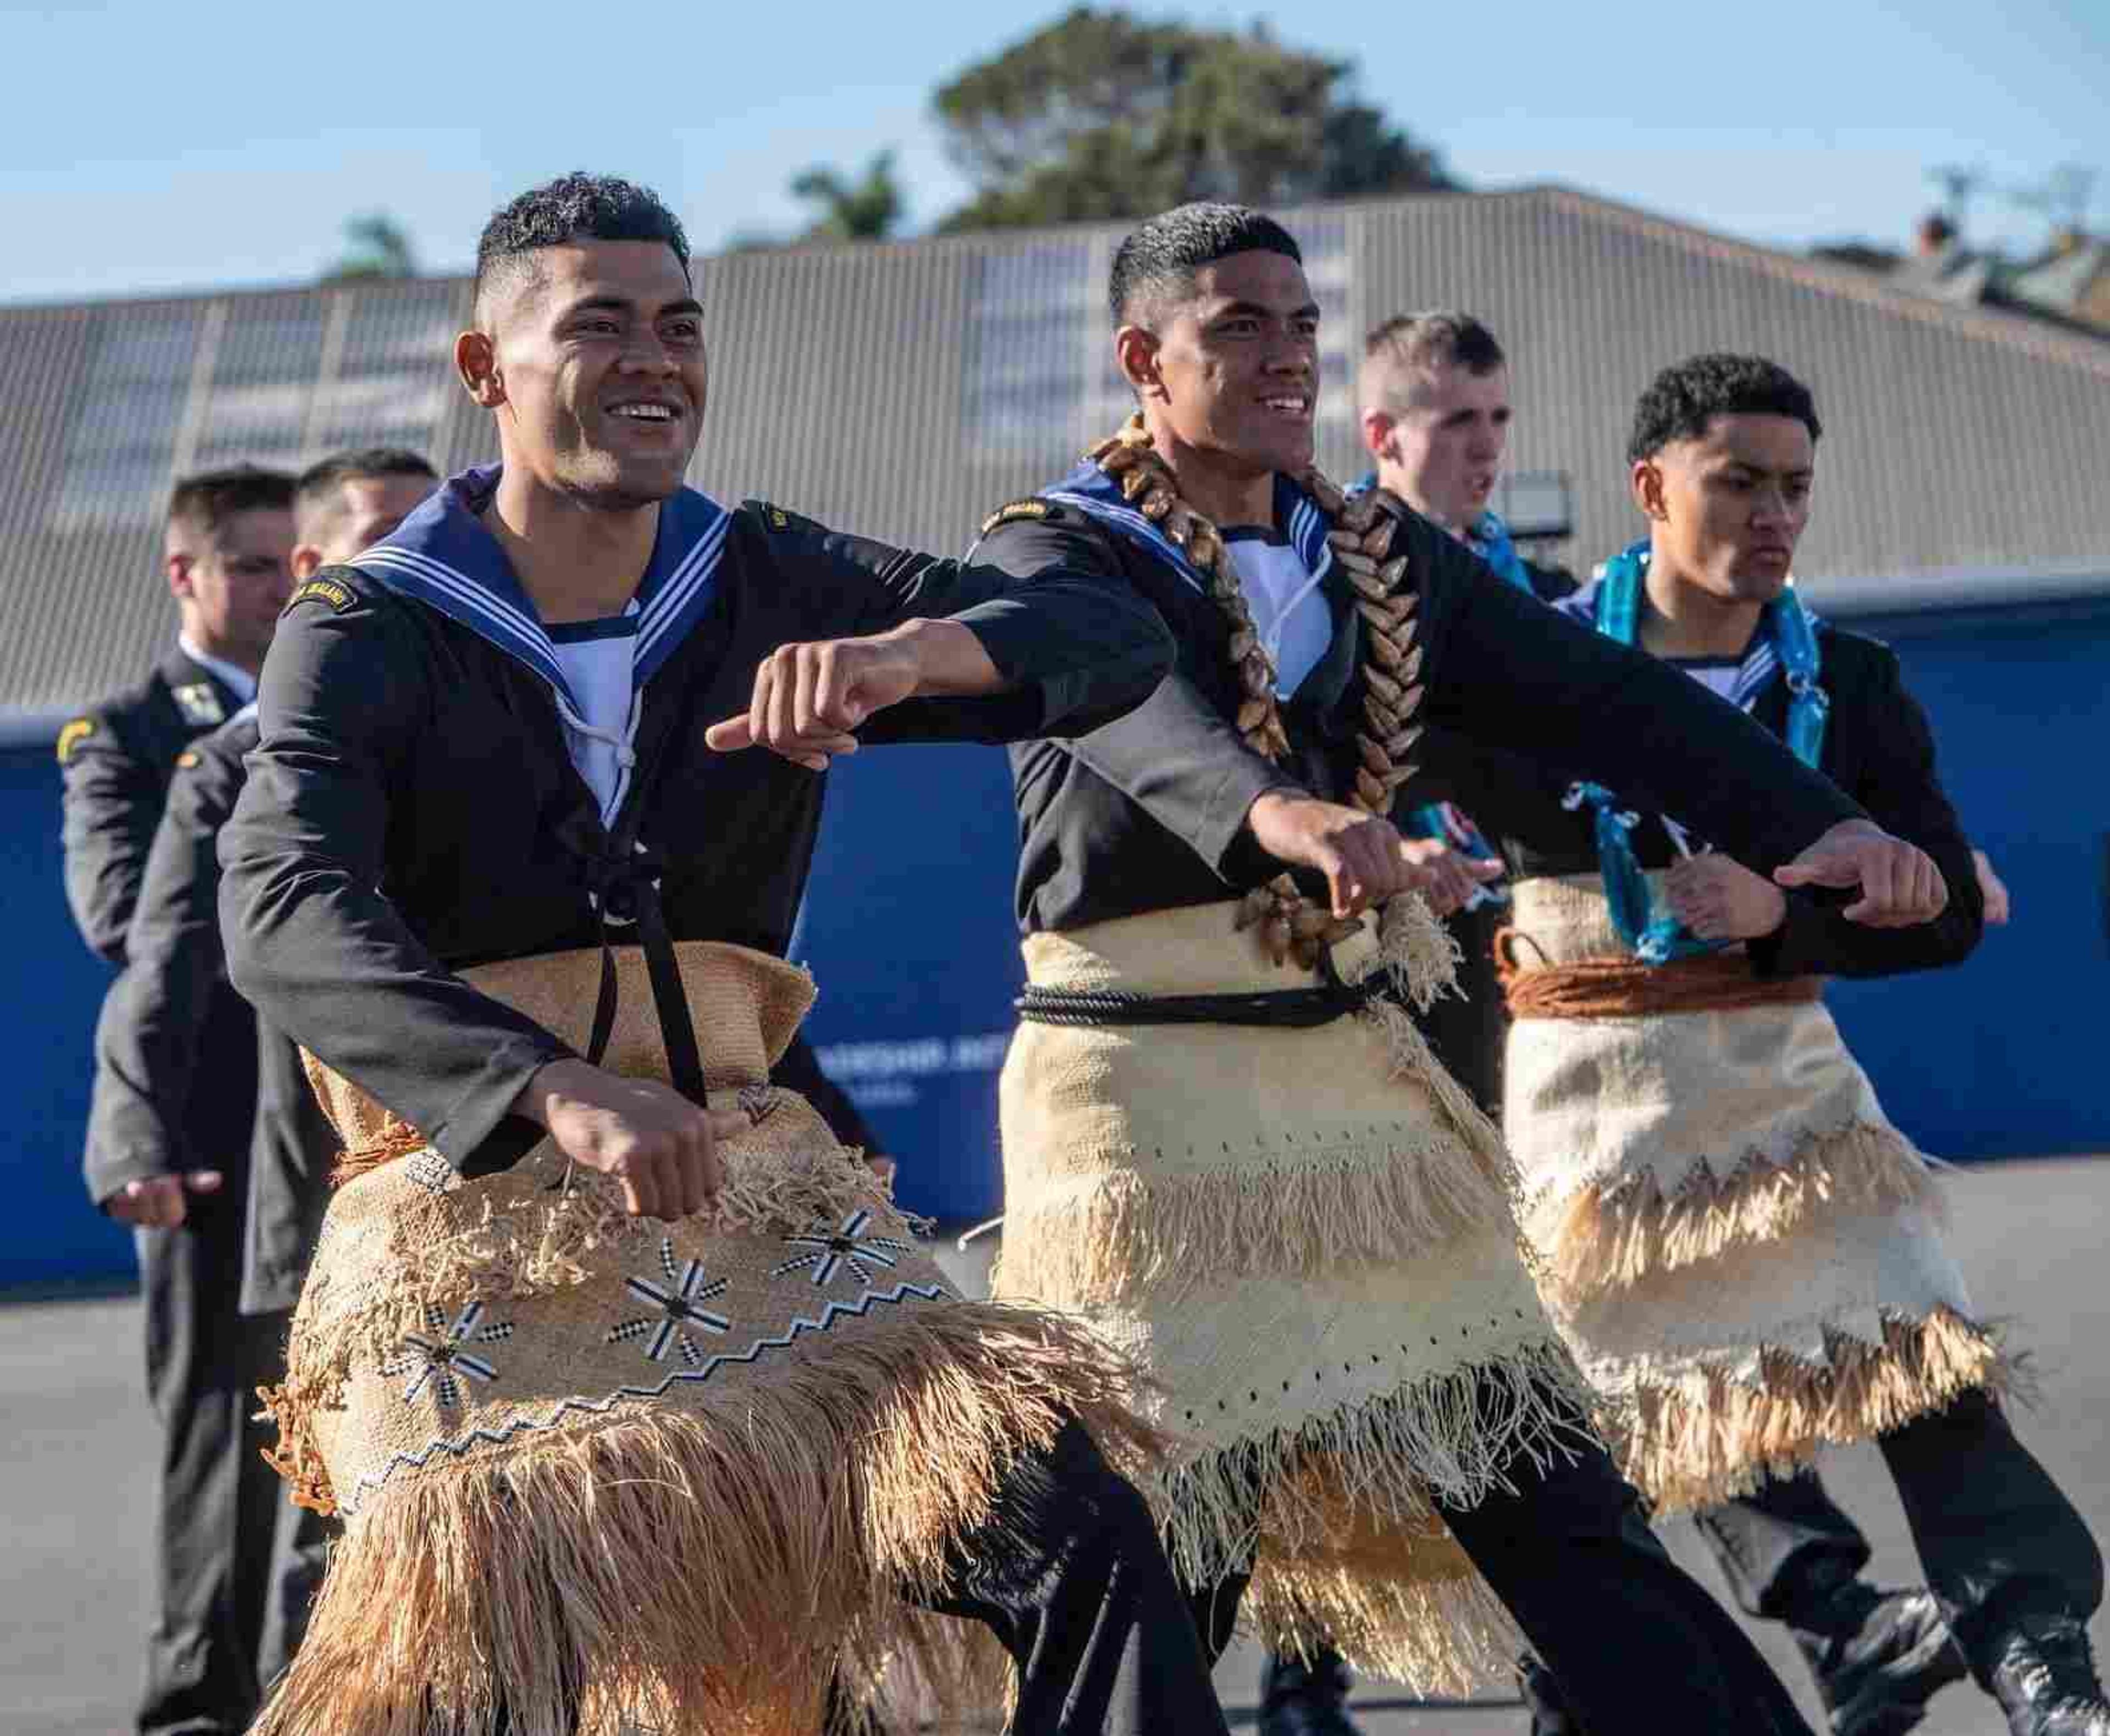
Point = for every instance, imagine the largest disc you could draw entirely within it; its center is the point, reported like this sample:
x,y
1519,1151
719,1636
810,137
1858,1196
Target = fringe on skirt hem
x,y
1612,1236
686,1569
1697,1437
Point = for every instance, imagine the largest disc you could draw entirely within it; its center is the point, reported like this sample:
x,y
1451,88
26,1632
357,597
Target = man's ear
x,y
178,567
1377,434
476,362
1645,482
1135,354
306,562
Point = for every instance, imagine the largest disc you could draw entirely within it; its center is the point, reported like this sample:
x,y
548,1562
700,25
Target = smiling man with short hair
x,y
640,1401
1226,1142
1744,1254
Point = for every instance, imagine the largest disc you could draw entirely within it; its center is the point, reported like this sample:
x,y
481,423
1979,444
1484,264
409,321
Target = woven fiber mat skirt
x,y
679,1474
1305,1236
1744,1254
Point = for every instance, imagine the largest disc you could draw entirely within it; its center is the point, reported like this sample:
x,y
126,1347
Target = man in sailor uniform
x,y
153,1062
1224,1142
505,741
1744,1254
225,550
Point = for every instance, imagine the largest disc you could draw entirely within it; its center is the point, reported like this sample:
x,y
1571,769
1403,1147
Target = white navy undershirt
x,y
1718,675
597,659
1288,609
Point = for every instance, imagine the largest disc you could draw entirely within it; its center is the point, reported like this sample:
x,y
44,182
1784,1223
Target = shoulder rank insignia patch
x,y
322,590
186,759
199,703
1029,507
73,735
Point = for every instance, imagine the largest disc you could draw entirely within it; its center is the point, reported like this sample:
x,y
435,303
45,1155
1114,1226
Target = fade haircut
x,y
317,495
205,502
1682,400
577,206
1437,338
1157,262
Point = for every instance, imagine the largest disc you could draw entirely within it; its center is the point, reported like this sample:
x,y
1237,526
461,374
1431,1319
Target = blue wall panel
x,y
908,930
53,986
2003,1055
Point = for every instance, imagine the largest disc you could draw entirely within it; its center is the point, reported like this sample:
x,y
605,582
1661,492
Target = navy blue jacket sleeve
x,y
112,798
149,1036
312,940
1898,786
1512,674
1077,646
1175,756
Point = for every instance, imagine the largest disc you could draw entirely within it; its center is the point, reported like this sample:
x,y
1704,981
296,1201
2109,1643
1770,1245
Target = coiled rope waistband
x,y
1284,1009
1623,989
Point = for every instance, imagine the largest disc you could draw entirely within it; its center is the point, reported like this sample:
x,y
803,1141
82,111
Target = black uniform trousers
x,y
1996,1538
235,1561
1635,1641
1067,1571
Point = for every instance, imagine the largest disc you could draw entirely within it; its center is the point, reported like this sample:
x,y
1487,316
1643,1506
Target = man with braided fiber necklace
x,y
1206,1155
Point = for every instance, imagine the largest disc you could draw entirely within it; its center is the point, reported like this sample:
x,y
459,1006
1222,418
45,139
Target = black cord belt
x,y
1284,1009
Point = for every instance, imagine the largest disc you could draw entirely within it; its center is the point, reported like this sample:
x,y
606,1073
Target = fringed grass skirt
x,y
1306,1239
1745,1255
679,1474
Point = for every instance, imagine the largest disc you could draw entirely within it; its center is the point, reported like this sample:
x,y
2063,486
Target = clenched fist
x,y
158,1201
1900,885
1364,858
810,699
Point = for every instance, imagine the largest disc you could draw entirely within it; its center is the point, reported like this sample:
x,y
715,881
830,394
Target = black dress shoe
x,y
1298,1699
2043,1676
1878,1656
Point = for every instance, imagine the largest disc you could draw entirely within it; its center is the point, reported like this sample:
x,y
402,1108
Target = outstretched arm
x,y
1899,786
900,646
1517,676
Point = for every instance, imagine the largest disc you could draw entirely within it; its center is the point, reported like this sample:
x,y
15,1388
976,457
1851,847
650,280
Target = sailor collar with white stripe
x,y
443,556
1757,668
1090,490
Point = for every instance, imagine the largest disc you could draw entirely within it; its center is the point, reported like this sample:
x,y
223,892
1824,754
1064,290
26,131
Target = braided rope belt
x,y
1623,989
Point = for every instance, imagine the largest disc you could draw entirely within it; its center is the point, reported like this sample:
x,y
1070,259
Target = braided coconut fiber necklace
x,y
1361,538
1305,1232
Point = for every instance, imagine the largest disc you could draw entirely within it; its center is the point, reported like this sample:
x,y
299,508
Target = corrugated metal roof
x,y
903,390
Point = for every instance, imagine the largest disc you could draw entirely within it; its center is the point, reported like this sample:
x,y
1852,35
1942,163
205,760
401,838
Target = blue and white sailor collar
x,y
443,556
1090,490
1761,663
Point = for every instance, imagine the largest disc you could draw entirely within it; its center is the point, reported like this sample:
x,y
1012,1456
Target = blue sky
x,y
156,147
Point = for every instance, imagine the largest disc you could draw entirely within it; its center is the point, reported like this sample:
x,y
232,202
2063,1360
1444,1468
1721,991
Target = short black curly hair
x,y
577,206
1684,398
1160,258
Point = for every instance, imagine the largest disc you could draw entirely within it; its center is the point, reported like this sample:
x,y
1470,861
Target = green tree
x,y
866,209
378,247
1103,115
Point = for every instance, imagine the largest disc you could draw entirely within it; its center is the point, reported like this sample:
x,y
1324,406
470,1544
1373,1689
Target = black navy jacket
x,y
116,762
150,1061
1877,747
411,809
1149,812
